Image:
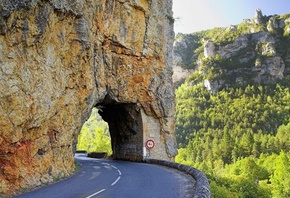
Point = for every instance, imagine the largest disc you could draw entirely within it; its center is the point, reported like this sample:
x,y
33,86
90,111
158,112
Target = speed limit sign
x,y
150,144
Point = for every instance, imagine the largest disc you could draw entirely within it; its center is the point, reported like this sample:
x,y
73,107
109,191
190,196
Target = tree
x,y
283,137
247,143
83,140
94,135
250,169
280,178
226,147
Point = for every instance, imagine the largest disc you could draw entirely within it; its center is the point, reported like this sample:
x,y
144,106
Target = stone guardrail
x,y
202,189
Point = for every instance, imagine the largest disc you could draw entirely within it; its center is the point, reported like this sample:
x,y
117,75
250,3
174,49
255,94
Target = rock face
x,y
59,59
233,48
209,49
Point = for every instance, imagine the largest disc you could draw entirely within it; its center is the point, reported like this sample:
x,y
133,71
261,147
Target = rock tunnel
x,y
130,128
126,131
61,58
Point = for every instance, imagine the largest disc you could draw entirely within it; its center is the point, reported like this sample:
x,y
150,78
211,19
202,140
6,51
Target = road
x,y
100,178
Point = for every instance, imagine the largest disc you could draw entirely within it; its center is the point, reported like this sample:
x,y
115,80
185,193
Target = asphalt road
x,y
115,179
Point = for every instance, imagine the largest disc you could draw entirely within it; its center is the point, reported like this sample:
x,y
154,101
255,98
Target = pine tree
x,y
281,176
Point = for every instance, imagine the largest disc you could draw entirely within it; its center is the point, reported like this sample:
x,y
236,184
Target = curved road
x,y
110,179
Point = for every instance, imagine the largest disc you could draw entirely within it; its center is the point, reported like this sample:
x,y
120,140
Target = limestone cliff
x,y
59,59
254,51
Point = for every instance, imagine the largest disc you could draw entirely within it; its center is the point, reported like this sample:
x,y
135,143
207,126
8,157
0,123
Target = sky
x,y
195,15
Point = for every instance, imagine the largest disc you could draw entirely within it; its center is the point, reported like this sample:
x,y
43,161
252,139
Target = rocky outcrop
x,y
272,25
180,73
209,49
232,49
213,86
258,18
274,66
59,59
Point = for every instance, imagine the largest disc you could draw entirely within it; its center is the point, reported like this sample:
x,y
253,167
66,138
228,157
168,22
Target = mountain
x,y
233,106
254,51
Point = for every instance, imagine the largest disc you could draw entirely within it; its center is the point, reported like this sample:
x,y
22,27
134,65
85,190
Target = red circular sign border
x,y
146,144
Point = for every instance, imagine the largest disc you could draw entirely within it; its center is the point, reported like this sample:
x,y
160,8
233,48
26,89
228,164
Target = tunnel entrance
x,y
115,129
126,131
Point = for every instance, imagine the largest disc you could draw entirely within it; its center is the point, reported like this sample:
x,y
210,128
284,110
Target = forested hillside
x,y
224,133
233,111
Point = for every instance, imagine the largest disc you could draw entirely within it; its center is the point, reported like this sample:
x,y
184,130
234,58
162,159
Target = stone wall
x,y
59,59
201,187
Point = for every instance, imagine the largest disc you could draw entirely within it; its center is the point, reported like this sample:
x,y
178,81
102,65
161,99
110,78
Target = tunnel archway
x,y
130,128
126,130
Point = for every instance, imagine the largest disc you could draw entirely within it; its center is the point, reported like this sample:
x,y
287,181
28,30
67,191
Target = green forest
x,y
239,137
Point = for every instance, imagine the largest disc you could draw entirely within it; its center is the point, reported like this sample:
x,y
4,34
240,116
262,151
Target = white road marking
x,y
94,175
119,172
96,193
105,163
117,169
119,177
115,181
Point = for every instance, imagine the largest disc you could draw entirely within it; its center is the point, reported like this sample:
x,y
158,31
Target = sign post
x,y
150,145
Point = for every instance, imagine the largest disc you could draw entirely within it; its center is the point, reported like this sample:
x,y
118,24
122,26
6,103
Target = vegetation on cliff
x,y
191,49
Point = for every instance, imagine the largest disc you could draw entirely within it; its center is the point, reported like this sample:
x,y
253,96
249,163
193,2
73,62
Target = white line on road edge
x,y
115,181
96,193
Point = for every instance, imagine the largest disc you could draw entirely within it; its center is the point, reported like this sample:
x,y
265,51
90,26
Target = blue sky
x,y
196,15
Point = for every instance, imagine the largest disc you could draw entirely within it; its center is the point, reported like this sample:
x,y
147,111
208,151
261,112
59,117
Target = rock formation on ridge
x,y
256,50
